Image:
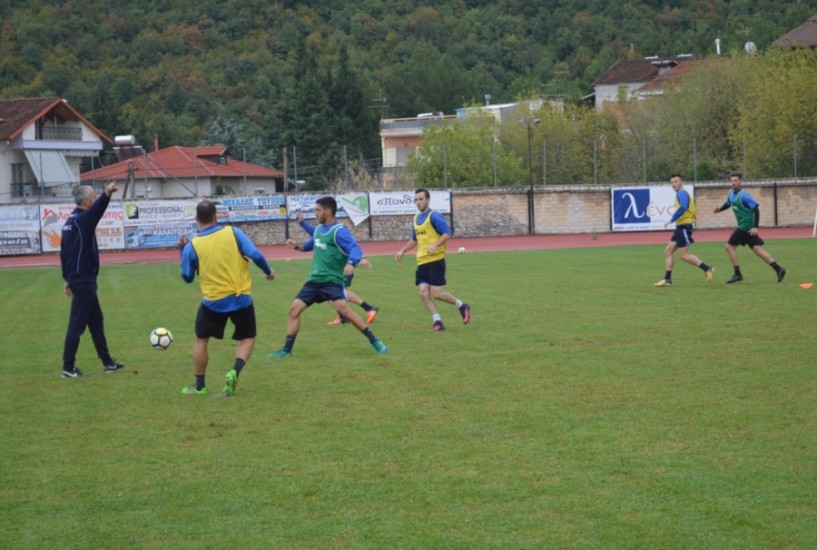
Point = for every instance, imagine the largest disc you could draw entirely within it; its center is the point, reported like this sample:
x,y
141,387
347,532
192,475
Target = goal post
x,y
814,229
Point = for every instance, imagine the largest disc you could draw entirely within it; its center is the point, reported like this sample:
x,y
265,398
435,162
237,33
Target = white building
x,y
42,141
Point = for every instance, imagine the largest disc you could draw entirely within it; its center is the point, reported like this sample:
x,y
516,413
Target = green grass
x,y
581,408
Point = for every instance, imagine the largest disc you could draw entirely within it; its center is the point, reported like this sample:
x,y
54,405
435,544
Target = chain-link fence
x,y
628,159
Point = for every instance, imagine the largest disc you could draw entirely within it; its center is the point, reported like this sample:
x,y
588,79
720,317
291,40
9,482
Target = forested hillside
x,y
261,76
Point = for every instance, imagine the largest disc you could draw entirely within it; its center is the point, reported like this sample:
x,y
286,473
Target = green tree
x,y
229,132
778,117
465,153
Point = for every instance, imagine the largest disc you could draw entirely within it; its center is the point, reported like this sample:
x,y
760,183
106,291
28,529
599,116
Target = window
x,y
17,179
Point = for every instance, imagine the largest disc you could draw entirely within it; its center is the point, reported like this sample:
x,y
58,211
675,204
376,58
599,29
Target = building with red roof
x,y
184,172
627,76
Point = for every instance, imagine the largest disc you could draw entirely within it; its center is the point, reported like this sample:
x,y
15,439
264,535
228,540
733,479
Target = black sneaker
x,y
113,367
781,274
72,373
737,278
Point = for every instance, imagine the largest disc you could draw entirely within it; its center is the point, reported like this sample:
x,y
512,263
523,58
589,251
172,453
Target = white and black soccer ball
x,y
161,338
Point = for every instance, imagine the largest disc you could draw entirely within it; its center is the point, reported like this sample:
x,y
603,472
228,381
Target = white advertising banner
x,y
643,208
305,204
402,203
356,205
19,230
159,212
158,224
251,209
109,231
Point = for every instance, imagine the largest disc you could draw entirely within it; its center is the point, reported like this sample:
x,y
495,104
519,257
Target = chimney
x,y
155,142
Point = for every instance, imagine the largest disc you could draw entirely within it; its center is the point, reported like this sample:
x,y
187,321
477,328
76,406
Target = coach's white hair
x,y
81,193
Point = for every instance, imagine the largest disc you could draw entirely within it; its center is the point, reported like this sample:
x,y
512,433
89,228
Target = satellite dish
x,y
750,48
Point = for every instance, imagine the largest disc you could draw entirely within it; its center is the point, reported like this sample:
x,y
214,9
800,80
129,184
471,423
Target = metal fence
x,y
631,159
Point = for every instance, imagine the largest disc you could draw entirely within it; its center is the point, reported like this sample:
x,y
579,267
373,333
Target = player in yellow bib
x,y
429,233
684,220
220,255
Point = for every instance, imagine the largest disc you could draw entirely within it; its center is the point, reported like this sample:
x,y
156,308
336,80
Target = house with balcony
x,y
400,138
42,143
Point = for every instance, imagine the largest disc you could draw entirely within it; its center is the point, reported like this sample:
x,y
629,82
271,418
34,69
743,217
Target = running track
x,y
486,244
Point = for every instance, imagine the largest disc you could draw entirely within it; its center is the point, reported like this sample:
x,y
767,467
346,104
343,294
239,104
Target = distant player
x,y
684,220
747,213
429,233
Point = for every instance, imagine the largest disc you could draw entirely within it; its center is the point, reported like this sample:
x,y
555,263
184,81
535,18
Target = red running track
x,y
485,244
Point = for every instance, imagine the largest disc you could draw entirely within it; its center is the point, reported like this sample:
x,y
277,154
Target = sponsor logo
x,y
631,206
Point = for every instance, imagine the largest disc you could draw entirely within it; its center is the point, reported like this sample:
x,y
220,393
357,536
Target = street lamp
x,y
529,124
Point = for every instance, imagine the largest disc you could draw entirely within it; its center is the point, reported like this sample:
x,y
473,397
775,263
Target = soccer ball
x,y
161,338
461,250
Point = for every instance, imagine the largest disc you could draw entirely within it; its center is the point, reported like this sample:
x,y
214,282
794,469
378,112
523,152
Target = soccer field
x,y
581,408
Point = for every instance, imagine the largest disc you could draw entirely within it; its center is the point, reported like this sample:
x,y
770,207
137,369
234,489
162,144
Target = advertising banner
x,y
155,224
401,203
109,231
356,205
251,209
305,204
643,208
159,212
19,230
157,235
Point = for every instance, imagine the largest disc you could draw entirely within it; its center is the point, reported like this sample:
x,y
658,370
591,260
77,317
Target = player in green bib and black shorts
x,y
747,213
336,253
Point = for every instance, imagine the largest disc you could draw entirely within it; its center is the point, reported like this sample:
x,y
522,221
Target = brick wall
x,y
500,211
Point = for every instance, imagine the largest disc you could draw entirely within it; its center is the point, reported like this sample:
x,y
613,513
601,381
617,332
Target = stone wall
x,y
503,211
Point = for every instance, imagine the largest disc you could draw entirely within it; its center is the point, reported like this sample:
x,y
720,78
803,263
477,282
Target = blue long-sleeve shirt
x,y
343,238
683,204
79,251
190,266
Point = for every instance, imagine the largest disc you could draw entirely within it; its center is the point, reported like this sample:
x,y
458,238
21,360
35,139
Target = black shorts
x,y
741,238
210,324
682,236
315,293
432,274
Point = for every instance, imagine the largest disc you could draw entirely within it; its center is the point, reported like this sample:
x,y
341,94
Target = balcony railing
x,y
62,133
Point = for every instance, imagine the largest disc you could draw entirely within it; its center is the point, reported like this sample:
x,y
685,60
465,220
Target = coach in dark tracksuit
x,y
79,255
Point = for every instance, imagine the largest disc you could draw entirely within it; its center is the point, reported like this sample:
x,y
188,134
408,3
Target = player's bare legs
x,y
669,258
438,293
342,307
761,253
733,255
688,257
426,297
354,298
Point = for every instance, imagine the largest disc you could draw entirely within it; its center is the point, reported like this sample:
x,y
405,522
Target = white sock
x,y
458,303
437,318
